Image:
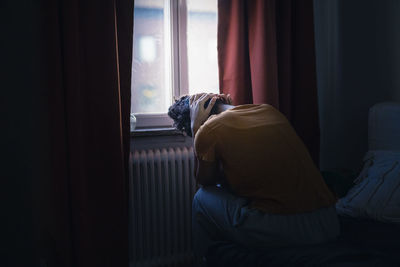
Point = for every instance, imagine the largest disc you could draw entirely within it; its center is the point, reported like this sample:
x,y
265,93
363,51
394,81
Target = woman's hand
x,y
199,114
226,99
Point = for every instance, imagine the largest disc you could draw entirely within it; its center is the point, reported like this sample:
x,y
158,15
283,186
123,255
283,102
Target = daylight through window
x,y
174,53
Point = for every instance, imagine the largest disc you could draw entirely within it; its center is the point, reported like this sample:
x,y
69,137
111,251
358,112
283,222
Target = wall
x,y
23,139
358,59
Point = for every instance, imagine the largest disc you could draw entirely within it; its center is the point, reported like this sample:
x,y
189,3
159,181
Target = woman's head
x,y
180,113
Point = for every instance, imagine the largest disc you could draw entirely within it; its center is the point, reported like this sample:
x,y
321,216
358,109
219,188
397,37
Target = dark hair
x,y
180,113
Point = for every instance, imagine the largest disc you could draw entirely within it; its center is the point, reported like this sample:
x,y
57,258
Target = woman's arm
x,y
206,173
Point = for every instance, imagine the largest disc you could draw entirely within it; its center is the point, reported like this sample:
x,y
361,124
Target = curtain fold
x,y
266,54
84,220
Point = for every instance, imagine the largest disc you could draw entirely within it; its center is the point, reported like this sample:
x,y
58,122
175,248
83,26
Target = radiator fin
x,y
162,187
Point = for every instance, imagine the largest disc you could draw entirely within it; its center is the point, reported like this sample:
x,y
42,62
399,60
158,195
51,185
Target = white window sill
x,y
165,131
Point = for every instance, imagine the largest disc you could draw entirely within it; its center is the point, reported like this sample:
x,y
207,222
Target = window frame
x,y
176,12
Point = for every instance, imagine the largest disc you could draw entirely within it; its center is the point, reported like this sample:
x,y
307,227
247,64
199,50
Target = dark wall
x,y
23,131
358,49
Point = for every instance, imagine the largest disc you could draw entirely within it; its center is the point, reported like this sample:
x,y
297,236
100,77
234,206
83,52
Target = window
x,y
174,53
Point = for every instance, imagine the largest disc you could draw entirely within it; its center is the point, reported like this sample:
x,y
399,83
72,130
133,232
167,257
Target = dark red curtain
x,y
266,54
87,61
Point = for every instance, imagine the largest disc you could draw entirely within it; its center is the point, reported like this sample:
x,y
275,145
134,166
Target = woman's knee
x,y
202,198
199,196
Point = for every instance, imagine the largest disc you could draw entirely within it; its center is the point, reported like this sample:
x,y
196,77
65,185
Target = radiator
x,y
161,191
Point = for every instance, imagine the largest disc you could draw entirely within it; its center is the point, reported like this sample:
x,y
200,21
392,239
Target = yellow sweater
x,y
263,159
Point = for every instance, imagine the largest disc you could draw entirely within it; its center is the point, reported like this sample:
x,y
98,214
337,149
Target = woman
x,y
272,194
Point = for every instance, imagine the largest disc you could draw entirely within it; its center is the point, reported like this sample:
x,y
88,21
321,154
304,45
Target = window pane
x,y
202,46
151,84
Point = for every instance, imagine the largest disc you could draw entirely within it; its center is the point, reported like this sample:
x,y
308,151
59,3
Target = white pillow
x,y
376,193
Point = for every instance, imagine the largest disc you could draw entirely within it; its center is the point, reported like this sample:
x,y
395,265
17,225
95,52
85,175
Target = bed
x,y
362,242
